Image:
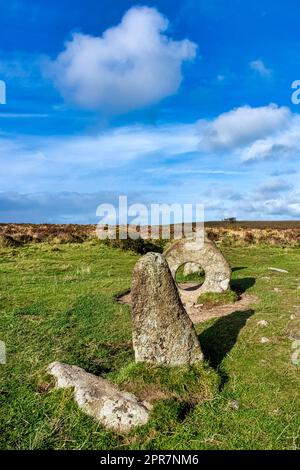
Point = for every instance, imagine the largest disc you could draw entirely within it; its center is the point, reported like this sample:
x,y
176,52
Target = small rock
x,y
234,404
262,323
264,340
276,289
190,304
278,270
116,410
292,317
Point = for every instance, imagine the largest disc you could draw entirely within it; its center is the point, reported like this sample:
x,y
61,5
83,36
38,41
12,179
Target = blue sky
x,y
186,101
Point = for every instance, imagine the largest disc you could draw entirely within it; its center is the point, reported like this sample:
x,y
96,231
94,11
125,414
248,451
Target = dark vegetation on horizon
x,y
280,233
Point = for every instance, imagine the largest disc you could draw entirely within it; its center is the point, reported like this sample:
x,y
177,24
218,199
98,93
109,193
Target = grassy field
x,y
57,303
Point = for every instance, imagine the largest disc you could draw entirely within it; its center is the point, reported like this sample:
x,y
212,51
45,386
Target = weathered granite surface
x,y
206,254
162,331
117,410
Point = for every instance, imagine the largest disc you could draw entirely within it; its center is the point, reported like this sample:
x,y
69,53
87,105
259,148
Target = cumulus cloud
x,y
242,126
260,67
252,134
281,204
132,65
282,207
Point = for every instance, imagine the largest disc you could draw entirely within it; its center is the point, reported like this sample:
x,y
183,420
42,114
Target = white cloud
x,y
164,163
279,207
33,163
242,126
280,144
266,149
252,134
259,67
283,204
132,65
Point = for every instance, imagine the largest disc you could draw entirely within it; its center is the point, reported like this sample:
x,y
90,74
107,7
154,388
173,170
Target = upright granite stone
x,y
162,331
202,253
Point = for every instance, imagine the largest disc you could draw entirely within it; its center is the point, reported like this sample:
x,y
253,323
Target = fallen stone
x,y
278,270
98,398
162,331
203,253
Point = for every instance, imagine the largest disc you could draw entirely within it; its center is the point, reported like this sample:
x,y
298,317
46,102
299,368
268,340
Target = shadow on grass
x,y
242,285
218,340
238,268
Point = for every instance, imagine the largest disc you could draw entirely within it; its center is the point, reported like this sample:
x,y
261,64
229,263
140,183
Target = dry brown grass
x,y
250,235
21,234
271,233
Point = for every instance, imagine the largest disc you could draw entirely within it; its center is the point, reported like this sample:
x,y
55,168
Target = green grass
x,y
198,276
56,303
212,299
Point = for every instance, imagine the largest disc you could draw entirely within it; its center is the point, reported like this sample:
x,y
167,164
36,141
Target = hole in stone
x,y
190,276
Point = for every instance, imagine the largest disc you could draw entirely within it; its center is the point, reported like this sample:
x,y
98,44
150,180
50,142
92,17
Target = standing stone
x,y
162,330
206,255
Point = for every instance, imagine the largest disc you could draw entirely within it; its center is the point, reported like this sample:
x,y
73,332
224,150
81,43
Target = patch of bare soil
x,y
200,313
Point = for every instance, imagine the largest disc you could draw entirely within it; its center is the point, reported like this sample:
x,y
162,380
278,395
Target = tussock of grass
x,y
212,299
189,385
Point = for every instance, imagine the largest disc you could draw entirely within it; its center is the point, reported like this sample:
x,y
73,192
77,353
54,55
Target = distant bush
x,y
249,237
139,245
8,241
